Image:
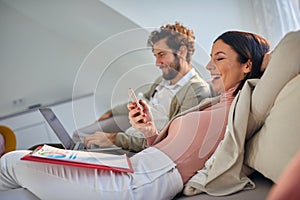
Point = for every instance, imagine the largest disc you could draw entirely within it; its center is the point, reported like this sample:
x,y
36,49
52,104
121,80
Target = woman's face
x,y
225,69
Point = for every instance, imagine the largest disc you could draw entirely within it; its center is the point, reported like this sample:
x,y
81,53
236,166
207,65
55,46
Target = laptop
x,y
64,136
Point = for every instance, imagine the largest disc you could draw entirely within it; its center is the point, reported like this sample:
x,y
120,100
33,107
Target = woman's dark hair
x,y
249,46
177,35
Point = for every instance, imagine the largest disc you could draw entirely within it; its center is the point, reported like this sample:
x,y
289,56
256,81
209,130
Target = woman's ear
x,y
247,66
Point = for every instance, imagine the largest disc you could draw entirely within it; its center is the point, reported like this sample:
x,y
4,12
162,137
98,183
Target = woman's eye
x,y
218,59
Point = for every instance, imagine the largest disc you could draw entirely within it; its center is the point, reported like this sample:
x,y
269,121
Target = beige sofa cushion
x,y
283,66
274,145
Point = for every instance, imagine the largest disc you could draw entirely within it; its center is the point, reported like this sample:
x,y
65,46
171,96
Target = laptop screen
x,y
57,127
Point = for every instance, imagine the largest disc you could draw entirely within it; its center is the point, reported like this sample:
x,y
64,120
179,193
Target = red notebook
x,y
52,155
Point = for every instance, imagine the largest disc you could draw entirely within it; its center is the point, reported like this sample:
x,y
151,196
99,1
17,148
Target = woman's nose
x,y
211,65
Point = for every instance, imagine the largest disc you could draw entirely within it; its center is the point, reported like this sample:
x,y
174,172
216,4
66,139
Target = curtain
x,y
274,18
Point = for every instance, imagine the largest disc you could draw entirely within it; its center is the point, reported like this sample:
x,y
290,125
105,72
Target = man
x,y
178,89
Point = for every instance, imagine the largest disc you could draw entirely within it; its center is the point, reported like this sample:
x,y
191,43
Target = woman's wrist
x,y
150,139
152,132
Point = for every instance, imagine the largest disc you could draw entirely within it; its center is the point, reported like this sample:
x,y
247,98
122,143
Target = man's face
x,y
166,60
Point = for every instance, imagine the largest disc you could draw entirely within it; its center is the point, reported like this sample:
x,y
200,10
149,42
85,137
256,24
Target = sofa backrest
x,y
276,111
276,143
285,65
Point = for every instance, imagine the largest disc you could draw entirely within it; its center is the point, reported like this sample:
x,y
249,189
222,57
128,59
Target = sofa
x,y
275,141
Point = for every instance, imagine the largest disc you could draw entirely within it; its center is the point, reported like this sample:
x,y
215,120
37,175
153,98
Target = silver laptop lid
x,y
58,128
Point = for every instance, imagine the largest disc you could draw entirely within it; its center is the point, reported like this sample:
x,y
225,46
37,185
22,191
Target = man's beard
x,y
174,69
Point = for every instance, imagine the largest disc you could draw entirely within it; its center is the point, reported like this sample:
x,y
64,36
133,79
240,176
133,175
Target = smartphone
x,y
134,98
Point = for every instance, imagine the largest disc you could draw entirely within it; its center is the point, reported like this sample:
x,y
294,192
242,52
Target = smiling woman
x,y
224,56
228,73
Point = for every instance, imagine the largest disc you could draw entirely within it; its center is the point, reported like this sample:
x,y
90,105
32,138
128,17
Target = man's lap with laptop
x,y
66,139
115,124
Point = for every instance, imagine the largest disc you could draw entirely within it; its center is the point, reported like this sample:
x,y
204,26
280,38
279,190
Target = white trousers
x,y
155,177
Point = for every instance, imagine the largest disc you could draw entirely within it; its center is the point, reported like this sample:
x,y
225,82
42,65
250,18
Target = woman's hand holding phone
x,y
134,98
140,116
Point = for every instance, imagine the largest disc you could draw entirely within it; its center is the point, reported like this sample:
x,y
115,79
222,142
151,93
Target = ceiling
x,y
84,22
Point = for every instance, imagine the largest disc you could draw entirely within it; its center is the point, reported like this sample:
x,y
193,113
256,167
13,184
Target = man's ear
x,y
182,52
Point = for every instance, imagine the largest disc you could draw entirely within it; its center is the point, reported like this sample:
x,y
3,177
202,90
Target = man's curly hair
x,y
177,35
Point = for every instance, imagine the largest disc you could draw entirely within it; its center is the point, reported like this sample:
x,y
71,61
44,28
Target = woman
x,y
161,170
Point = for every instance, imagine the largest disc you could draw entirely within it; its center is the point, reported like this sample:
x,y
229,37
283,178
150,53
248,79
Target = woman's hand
x,y
141,120
101,139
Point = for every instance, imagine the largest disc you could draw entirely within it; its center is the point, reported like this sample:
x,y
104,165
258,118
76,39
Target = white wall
x,y
50,49
42,45
208,18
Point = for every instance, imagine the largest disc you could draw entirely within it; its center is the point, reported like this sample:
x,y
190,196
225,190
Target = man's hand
x,y
101,139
